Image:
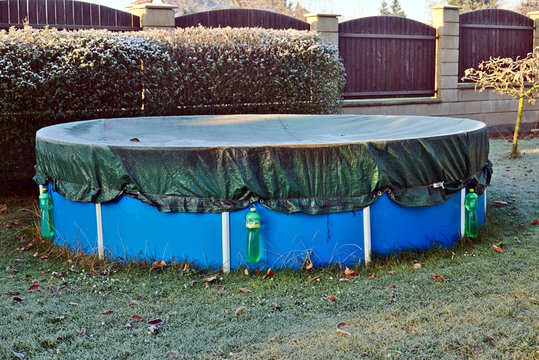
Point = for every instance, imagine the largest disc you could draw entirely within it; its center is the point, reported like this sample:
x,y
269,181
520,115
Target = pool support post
x,y
225,221
99,221
367,234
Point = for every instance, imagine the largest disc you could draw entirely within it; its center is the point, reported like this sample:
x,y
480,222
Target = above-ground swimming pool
x,y
328,188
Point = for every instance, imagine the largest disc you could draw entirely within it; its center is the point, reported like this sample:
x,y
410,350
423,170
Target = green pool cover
x,y
311,163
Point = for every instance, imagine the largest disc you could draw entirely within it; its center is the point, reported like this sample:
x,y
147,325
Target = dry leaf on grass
x,y
316,278
535,222
210,279
155,322
371,275
340,330
269,274
134,302
500,203
34,287
344,280
392,272
71,303
240,310
417,266
17,299
3,209
350,274
438,278
245,290
277,307
159,265
497,249
137,318
331,298
13,292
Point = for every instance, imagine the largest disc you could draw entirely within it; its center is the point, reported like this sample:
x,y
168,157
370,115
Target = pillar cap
x,y
155,6
321,15
448,7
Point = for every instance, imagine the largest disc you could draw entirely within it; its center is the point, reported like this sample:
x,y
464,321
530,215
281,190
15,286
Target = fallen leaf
x,y
152,329
245,290
438,278
134,302
341,325
269,274
71,303
220,287
13,292
344,280
193,283
93,270
316,278
16,223
453,255
155,322
417,266
108,312
18,355
246,272
34,287
17,299
82,332
309,266
277,307
393,286
159,265
173,353
134,139
343,332
497,249
517,240
350,274
371,275
210,279
240,310
499,202
127,325
3,209
535,222
59,338
392,272
331,298
137,318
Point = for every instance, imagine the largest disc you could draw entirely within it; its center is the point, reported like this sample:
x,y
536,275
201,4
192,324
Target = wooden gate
x,y
241,18
65,14
493,33
387,56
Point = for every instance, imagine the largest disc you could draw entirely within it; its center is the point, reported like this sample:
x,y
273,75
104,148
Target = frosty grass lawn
x,y
487,307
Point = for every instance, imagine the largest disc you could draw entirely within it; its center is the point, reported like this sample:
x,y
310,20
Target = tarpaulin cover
x,y
311,163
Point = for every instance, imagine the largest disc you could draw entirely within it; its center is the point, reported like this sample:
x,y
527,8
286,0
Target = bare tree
x,y
517,78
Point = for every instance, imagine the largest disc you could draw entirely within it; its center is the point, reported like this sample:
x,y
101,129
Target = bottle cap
x,y
471,190
253,209
44,190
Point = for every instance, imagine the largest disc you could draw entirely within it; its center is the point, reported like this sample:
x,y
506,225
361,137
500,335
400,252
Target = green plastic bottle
x,y
252,253
45,203
470,224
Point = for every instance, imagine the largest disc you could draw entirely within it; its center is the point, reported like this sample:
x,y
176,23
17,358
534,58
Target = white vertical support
x,y
40,189
225,232
367,234
462,211
99,219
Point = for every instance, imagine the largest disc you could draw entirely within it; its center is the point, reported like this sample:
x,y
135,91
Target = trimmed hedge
x,y
49,76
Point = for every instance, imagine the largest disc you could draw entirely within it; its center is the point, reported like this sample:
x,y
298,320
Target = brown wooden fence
x,y
241,18
65,14
387,56
493,33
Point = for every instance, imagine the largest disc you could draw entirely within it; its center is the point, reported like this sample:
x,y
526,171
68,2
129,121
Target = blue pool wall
x,y
132,229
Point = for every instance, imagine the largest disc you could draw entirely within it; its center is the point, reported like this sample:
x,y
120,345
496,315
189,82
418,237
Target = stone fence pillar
x,y
325,24
446,21
155,16
534,15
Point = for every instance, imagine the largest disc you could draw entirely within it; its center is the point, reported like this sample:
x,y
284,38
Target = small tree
x,y
384,10
517,78
396,9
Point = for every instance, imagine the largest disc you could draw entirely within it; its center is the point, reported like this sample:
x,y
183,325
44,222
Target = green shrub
x,y
49,76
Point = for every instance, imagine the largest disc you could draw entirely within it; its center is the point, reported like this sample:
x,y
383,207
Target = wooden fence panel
x,y
493,33
65,14
387,56
241,18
